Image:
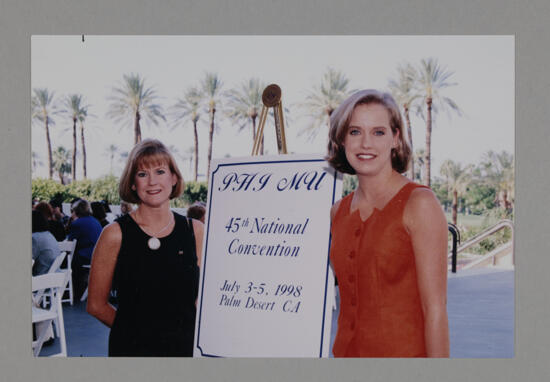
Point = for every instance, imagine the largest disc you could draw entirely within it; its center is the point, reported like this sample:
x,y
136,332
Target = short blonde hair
x,y
147,153
339,123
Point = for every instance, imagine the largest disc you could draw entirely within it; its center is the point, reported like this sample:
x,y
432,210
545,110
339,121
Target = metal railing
x,y
506,223
453,229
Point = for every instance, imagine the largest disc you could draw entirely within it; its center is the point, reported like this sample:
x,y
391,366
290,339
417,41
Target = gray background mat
x,y
527,20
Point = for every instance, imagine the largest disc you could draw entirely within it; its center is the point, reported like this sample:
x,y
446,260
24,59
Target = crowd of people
x,y
388,249
50,226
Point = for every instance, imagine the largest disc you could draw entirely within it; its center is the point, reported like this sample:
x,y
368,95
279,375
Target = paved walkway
x,y
481,313
480,307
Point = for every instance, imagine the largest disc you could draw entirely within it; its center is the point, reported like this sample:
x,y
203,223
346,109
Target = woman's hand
x,y
427,226
104,260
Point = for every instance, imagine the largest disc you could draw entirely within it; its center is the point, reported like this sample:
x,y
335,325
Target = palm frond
x,y
132,96
245,102
323,99
43,106
432,78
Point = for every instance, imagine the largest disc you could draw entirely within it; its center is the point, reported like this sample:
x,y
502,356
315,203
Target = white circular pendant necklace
x,y
154,242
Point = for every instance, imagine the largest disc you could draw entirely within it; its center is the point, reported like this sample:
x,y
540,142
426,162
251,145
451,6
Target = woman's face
x,y
153,184
369,139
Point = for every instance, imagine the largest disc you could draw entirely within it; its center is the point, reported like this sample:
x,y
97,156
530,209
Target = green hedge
x,y
350,184
194,191
105,188
46,189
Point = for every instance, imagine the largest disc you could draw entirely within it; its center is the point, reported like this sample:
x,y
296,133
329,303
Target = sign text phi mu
x,y
266,288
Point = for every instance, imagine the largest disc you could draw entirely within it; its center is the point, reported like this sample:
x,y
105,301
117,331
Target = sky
x,y
482,66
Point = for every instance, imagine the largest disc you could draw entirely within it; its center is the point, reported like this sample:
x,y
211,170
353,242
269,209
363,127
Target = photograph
x,y
130,133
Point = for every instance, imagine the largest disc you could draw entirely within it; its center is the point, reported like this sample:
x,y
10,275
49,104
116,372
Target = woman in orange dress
x,y
389,239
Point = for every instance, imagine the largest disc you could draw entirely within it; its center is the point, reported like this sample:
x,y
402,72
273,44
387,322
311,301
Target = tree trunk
x,y
210,141
137,129
83,150
49,142
60,174
409,131
73,164
196,148
427,161
262,146
455,206
253,117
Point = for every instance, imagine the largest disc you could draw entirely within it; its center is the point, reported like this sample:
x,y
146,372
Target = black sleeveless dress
x,y
156,292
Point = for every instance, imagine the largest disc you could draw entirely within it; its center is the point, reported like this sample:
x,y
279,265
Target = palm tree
x,y
189,155
432,79
36,161
111,151
134,101
404,92
189,107
62,162
457,180
324,99
419,156
73,106
498,170
245,104
211,91
43,109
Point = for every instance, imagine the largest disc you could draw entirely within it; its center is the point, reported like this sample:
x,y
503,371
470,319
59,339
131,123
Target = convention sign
x,y
266,288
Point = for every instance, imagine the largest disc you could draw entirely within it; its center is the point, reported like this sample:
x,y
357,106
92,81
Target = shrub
x,y
491,217
194,191
80,188
106,188
350,184
45,189
92,190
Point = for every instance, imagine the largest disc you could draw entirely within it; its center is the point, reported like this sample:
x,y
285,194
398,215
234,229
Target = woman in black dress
x,y
151,257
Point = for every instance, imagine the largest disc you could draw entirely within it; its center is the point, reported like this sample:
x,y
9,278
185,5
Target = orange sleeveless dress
x,y
380,307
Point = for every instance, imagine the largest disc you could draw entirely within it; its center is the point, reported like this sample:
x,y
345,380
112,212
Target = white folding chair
x,y
43,318
68,247
39,296
85,294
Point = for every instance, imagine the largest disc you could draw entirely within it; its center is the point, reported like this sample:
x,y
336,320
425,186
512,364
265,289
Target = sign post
x,y
266,287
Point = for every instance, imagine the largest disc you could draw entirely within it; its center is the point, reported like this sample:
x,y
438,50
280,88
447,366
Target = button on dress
x,y
380,308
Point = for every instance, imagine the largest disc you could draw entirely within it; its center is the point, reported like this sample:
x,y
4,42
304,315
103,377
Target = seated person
x,y
85,229
125,208
110,216
58,215
44,246
197,211
98,212
55,227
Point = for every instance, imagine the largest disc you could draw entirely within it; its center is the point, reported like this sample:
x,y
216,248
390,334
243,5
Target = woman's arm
x,y
426,223
198,229
101,274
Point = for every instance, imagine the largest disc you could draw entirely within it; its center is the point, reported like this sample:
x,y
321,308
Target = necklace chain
x,y
170,222
167,225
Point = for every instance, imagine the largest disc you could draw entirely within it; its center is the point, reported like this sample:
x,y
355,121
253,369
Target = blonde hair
x,y
147,153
